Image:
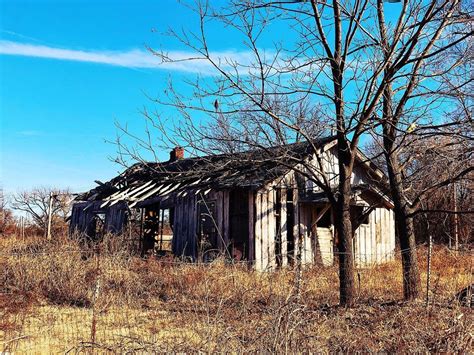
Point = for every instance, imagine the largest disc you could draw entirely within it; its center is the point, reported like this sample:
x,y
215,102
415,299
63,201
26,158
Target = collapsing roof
x,y
177,177
250,169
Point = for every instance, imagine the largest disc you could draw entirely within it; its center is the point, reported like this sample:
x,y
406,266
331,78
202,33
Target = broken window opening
x,y
207,229
325,220
96,226
164,236
238,224
134,228
151,222
156,230
359,216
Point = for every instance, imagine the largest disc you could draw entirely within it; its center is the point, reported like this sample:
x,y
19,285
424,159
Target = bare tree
x,y
418,65
36,204
328,73
437,173
445,212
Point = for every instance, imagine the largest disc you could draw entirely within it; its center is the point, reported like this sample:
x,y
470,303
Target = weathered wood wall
x,y
221,199
186,223
185,226
324,246
116,218
83,213
251,226
317,243
266,231
82,217
375,242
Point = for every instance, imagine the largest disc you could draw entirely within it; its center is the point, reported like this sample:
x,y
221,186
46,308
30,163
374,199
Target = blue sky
x,y
68,70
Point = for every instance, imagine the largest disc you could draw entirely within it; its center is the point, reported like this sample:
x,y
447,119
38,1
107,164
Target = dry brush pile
x,y
62,296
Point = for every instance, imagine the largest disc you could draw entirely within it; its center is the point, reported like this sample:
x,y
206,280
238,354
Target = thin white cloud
x,y
31,133
134,58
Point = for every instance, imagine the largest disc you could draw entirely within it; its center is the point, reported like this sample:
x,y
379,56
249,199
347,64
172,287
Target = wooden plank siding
x,y
297,226
251,225
326,245
272,230
83,214
264,226
308,236
283,229
258,231
375,242
265,229
185,225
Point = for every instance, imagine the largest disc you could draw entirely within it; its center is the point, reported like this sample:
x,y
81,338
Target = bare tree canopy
x,y
36,204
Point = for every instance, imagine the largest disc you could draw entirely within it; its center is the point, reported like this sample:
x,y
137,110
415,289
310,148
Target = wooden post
x,y
258,231
272,229
50,212
428,271
140,238
265,233
283,229
251,227
456,233
21,228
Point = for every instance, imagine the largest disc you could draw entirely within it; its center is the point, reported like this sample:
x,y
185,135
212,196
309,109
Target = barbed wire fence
x,y
98,299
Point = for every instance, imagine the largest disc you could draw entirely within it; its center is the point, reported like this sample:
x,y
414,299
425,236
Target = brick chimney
x,y
177,153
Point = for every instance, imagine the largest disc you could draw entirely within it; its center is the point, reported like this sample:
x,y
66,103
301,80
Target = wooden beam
x,y
258,231
283,229
251,226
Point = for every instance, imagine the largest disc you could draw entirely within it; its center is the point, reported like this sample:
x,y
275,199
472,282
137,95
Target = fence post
x,y
456,227
95,296
428,271
50,212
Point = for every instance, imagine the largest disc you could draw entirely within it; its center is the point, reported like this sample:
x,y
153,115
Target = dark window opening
x,y
164,237
96,226
133,227
155,228
239,224
301,184
359,216
325,220
151,223
207,226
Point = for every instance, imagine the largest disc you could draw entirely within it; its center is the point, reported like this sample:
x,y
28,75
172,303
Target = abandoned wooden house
x,y
248,206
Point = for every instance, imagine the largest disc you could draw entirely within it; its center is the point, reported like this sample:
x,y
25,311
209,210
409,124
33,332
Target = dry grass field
x,y
59,297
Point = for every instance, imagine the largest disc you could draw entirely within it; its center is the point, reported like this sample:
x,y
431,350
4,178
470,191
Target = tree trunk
x,y
44,225
404,224
343,226
346,259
